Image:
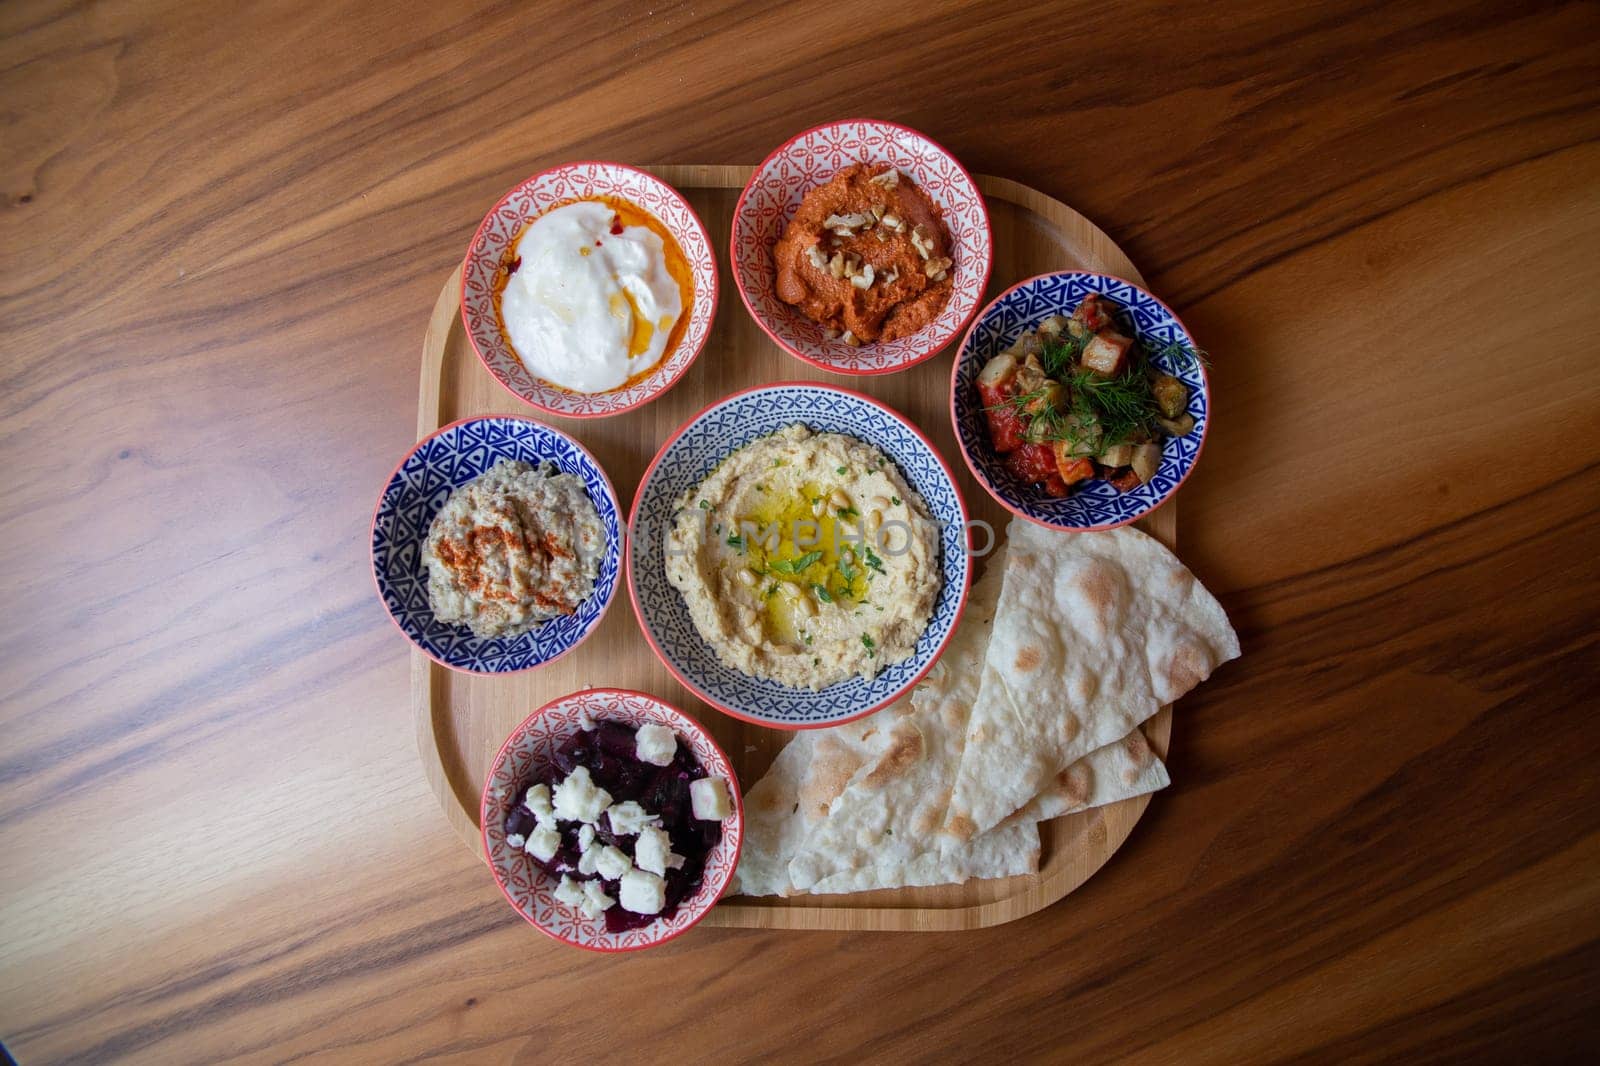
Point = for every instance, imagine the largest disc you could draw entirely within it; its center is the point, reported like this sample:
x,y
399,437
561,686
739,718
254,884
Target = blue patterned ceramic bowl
x,y
1096,505
451,457
688,457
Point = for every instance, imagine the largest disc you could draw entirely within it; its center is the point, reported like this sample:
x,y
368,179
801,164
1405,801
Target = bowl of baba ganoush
x,y
589,289
497,545
861,247
798,555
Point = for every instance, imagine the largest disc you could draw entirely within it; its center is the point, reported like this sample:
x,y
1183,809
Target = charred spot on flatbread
x,y
832,767
961,827
926,820
1028,658
1188,666
1138,749
904,751
1097,595
1074,783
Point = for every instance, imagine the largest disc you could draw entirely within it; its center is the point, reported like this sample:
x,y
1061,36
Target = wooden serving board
x,y
463,719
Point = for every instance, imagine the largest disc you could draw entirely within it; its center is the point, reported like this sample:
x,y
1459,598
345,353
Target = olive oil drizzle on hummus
x,y
796,552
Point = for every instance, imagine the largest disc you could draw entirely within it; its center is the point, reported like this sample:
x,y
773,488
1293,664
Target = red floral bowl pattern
x,y
499,231
772,197
527,752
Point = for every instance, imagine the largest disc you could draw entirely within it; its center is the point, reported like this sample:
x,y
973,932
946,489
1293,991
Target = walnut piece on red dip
x,y
867,256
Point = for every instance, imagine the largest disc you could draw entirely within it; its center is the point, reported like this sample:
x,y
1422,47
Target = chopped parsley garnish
x,y
840,471
772,590
794,566
735,541
847,512
867,642
705,505
895,500
873,561
822,593
846,571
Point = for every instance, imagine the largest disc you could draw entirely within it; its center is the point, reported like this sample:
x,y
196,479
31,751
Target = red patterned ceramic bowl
x,y
527,751
772,197
499,232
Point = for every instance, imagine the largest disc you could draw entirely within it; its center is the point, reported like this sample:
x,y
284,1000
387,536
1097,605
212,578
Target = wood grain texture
x,y
222,237
463,721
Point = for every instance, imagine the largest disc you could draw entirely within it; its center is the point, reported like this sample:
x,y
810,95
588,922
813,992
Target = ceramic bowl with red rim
x,y
529,754
683,463
435,466
772,197
1093,504
492,247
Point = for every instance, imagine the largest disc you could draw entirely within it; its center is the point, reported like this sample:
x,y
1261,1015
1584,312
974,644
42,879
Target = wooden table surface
x,y
225,227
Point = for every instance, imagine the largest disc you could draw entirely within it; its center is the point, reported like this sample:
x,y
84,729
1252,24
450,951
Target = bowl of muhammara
x,y
611,820
861,247
589,289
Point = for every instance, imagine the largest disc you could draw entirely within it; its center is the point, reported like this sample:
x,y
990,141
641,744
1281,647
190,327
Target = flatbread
x,y
1094,633
890,812
773,824
1129,767
839,772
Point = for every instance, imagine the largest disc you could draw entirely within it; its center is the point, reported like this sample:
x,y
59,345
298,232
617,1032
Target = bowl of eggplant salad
x,y
1079,401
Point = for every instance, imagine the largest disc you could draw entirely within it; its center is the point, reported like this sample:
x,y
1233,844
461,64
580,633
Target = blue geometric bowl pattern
x,y
445,461
687,458
1097,505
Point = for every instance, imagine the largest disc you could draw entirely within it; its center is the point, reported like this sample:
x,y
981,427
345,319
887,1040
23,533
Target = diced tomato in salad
x,y
1037,462
1094,312
1005,422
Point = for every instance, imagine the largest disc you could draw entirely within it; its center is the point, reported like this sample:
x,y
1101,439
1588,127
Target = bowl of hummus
x,y
798,555
861,247
497,545
589,289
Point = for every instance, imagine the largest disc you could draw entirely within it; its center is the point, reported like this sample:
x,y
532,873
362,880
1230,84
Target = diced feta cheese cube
x,y
628,818
570,891
653,852
543,843
515,840
595,900
589,862
579,799
612,863
538,801
642,893
585,838
709,799
655,744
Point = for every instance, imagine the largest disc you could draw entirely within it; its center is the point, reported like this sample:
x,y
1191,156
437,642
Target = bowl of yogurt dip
x,y
589,289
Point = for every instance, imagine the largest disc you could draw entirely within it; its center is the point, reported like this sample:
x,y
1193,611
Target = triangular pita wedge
x,y
890,813
1093,634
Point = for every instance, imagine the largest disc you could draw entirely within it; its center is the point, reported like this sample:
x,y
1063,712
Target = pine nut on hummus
x,y
514,547
806,559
